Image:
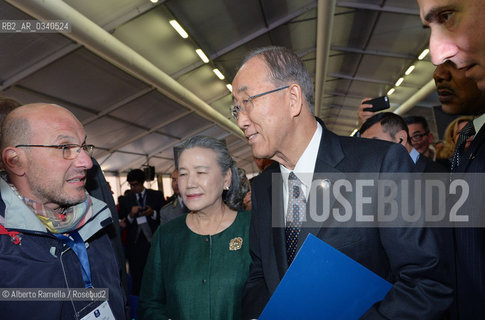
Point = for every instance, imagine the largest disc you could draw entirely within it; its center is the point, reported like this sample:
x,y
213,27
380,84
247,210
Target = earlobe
x,y
13,161
228,178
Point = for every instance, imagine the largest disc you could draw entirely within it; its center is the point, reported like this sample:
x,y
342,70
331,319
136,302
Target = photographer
x,y
141,212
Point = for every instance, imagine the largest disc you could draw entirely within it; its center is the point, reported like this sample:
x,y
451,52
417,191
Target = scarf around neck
x,y
60,221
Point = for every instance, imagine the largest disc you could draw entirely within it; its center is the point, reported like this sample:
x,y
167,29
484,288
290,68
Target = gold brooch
x,y
235,244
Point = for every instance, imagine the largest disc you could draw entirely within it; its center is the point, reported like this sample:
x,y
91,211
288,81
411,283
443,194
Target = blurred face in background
x,y
457,93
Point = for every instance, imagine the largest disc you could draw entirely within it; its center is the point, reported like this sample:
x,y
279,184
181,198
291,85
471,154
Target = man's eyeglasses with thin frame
x,y
69,151
243,107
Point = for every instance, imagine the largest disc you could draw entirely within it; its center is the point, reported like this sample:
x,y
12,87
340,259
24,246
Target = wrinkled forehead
x,y
251,75
58,129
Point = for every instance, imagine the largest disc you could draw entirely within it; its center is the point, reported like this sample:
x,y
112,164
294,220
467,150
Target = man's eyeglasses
x,y
419,136
69,151
243,107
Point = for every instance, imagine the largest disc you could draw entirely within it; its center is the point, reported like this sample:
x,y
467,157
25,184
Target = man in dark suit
x,y
141,211
391,127
273,96
456,40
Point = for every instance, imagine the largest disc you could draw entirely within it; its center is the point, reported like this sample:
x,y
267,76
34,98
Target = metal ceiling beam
x,y
152,130
362,79
373,7
167,146
332,94
374,53
246,39
117,105
422,93
39,65
89,110
145,7
110,27
326,10
114,51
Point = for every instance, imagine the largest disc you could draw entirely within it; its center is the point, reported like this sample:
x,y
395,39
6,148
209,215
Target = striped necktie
x,y
466,132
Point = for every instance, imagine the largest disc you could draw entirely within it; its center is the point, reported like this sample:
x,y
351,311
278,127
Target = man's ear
x,y
14,160
402,137
296,99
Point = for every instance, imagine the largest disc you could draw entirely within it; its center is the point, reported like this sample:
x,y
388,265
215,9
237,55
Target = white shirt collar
x,y
305,166
478,122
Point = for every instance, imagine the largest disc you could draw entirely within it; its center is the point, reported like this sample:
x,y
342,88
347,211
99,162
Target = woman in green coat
x,y
198,263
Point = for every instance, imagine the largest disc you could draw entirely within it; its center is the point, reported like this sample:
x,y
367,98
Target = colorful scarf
x,y
68,219
63,220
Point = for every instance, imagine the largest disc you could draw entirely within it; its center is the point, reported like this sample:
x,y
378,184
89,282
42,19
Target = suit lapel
x,y
472,151
278,223
329,155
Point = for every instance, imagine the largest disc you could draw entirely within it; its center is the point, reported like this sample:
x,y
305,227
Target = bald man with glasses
x,y
52,233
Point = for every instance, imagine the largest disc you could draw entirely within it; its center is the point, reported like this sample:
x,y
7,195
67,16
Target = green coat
x,y
190,276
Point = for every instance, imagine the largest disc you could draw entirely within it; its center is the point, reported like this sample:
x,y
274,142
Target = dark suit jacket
x,y
425,164
155,200
470,242
97,187
408,258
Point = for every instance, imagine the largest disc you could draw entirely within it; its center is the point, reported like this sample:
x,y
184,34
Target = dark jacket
x,y
411,259
41,260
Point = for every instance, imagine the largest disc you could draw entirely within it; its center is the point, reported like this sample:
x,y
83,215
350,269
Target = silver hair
x,y
239,187
286,67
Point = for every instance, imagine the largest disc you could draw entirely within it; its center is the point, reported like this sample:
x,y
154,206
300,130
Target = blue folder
x,y
323,283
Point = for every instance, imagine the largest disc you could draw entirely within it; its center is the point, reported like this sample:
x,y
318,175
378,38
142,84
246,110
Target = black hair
x,y
417,119
136,175
391,123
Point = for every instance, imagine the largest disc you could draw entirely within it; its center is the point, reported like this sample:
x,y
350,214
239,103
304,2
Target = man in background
x,y
389,126
175,208
457,33
421,137
141,211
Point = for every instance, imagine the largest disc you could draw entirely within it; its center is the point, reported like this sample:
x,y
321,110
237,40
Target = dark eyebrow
x,y
432,13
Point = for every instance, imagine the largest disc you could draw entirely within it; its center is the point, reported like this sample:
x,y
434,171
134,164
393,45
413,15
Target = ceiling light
x,y
154,1
423,54
399,81
202,55
409,70
229,87
179,29
391,91
218,73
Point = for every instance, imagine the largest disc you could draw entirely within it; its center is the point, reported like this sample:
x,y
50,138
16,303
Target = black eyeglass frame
x,y
419,136
64,147
235,109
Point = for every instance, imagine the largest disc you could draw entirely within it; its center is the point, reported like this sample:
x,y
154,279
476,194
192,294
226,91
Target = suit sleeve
x,y
256,293
421,262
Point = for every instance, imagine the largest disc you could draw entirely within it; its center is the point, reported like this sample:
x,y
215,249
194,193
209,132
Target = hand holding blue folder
x,y
323,283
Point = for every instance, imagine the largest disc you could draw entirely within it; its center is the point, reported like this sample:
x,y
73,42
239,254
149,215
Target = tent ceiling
x,y
132,121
